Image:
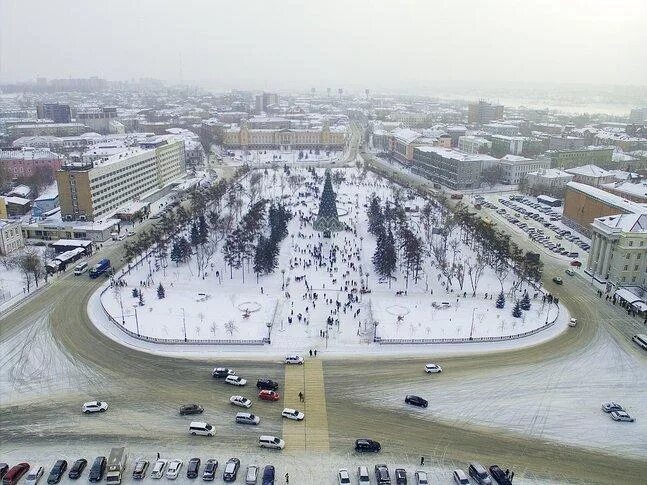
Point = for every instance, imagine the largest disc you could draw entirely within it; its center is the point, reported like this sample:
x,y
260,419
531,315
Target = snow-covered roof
x,y
457,154
16,200
623,175
20,191
515,158
589,171
50,193
629,188
551,173
609,199
29,153
636,223
406,135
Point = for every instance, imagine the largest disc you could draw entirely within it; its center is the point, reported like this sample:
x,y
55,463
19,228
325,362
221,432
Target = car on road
x,y
607,407
159,468
365,444
363,477
173,469
201,428
268,384
293,414
240,401
557,280
271,442
382,475
499,475
56,473
572,322
343,477
622,416
188,409
34,475
294,359
247,418
460,478
416,401
77,469
209,472
235,380
15,473
400,476
266,395
251,475
570,272
421,478
432,368
193,468
231,470
98,469
95,407
141,466
220,372
268,475
479,473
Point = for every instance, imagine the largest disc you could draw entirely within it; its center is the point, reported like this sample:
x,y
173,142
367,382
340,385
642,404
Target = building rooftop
x,y
457,154
629,188
625,222
515,158
406,135
608,198
551,173
589,171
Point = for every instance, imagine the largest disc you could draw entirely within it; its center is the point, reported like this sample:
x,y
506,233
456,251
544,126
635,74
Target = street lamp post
x,y
375,324
136,319
269,332
184,323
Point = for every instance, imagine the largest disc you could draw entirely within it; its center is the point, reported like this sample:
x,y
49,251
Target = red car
x,y
15,473
577,264
267,395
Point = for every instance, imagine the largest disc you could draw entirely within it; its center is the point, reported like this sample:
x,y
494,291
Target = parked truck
x,y
116,465
100,268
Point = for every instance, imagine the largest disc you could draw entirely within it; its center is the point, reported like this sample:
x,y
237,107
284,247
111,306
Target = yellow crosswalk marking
x,y
294,432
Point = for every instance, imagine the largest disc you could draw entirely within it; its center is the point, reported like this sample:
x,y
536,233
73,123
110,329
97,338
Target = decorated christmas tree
x,y
328,219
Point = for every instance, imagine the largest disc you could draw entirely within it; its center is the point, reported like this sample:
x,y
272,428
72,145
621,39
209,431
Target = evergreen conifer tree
x,y
500,301
161,293
525,302
516,311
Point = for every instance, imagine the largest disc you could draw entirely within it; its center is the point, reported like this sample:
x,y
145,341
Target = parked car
x,y
622,416
247,418
231,470
365,444
15,473
173,469
382,475
139,472
268,475
98,469
266,395
95,407
251,475
77,468
271,442
235,380
499,475
572,322
343,477
159,468
421,478
241,401
294,359
416,401
363,477
607,407
219,372
293,414
191,409
56,473
558,280
432,368
268,384
400,476
479,474
193,468
460,477
209,472
34,475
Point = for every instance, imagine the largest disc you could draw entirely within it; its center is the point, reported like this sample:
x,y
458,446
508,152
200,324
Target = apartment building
x,y
515,168
448,167
10,236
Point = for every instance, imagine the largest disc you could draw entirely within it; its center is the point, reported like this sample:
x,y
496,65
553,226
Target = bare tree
x,y
230,327
475,268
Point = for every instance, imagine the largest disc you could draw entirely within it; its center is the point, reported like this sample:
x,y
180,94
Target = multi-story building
x,y
504,129
550,178
448,167
591,175
265,100
483,112
638,115
514,168
97,119
474,144
91,191
595,155
565,142
26,161
45,129
58,113
507,145
285,139
403,141
10,236
3,208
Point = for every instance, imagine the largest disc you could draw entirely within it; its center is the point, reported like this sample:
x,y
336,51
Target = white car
x,y
460,477
621,416
363,477
607,407
432,368
34,475
344,477
95,407
235,381
241,401
158,468
173,469
294,359
293,414
421,478
572,322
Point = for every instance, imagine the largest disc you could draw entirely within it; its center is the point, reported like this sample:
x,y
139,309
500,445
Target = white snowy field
x,y
13,284
313,303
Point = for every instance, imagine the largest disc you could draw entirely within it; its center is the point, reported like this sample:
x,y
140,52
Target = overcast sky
x,y
290,44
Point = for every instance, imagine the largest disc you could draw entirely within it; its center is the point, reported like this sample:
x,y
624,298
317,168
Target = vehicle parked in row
x,y
98,469
235,380
189,409
231,470
193,468
294,359
34,475
460,478
271,442
209,471
421,478
268,384
363,477
622,416
293,414
343,477
95,407
15,473
251,474
400,476
77,469
173,469
607,407
432,368
382,475
479,474
268,475
247,418
220,372
367,445
202,429
139,472
499,475
416,401
57,471
266,395
240,401
159,468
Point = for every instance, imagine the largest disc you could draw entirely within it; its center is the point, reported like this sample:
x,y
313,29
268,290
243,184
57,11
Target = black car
x,y
221,372
268,475
98,469
499,475
3,469
77,468
267,384
416,401
209,472
191,409
231,470
367,445
382,475
193,468
400,476
57,472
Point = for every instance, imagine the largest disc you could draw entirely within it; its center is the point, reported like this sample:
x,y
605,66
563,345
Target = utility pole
x,y
136,319
184,323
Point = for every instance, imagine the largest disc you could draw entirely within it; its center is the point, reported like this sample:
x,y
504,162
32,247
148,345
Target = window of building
x,y
628,256
631,243
626,266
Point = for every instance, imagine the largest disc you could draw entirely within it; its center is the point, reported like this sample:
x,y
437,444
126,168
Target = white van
x,y
80,269
294,359
202,429
247,418
271,442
